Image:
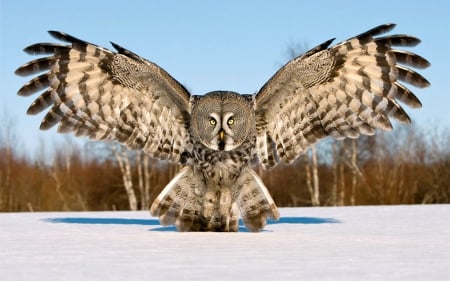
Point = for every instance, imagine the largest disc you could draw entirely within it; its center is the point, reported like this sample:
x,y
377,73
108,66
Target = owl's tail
x,y
193,205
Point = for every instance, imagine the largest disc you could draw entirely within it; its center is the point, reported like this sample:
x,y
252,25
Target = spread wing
x,y
344,91
94,92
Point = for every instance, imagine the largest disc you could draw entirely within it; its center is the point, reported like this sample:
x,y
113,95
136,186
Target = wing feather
x,y
342,91
95,92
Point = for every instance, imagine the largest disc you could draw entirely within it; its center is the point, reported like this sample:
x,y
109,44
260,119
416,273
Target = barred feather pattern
x,y
344,91
209,194
192,204
104,95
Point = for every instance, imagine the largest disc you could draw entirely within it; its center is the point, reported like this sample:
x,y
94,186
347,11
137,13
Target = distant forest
x,y
410,165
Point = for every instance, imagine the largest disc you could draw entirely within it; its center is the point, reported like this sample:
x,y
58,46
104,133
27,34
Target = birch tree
x,y
124,165
312,176
144,171
7,141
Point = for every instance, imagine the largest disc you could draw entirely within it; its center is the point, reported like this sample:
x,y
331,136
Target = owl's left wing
x,y
95,92
343,91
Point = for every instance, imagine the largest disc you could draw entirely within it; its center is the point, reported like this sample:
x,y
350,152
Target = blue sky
x,y
212,45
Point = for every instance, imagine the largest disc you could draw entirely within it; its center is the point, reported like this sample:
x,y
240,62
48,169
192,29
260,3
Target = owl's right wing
x,y
105,95
344,91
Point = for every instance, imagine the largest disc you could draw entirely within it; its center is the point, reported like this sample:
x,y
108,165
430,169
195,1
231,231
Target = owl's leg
x,y
233,224
254,201
217,208
191,205
180,203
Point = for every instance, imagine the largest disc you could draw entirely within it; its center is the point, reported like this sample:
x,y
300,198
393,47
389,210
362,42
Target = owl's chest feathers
x,y
221,167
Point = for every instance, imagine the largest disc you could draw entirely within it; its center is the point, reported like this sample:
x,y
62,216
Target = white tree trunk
x,y
147,178
54,174
140,178
124,165
341,201
335,175
312,177
315,170
355,172
144,174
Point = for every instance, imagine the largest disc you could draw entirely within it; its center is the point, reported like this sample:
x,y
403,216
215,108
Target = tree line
x,y
407,166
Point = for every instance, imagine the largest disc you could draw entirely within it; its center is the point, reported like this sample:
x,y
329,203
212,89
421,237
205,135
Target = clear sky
x,y
218,45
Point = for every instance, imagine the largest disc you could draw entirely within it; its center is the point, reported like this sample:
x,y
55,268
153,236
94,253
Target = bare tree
x,y
7,141
147,184
124,165
338,190
355,171
312,176
54,174
140,177
144,171
334,168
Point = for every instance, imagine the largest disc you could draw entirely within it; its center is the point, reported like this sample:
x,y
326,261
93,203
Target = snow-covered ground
x,y
343,243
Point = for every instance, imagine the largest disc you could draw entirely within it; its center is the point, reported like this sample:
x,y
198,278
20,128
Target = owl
x,y
343,91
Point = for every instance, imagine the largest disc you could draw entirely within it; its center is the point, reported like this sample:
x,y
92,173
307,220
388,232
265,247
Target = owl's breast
x,y
221,167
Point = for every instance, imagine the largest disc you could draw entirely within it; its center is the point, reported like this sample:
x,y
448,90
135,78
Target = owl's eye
x,y
230,121
212,121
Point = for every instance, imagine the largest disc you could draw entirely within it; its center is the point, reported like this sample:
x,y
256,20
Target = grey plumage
x,y
343,91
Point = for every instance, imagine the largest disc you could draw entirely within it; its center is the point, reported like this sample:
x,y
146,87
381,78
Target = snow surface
x,y
332,243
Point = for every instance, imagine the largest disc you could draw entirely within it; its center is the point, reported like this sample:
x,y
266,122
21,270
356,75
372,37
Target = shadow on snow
x,y
126,221
89,220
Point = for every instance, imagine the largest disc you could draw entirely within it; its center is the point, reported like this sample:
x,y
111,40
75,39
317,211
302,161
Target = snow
x,y
329,243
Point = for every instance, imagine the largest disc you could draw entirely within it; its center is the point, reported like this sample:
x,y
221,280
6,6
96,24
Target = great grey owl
x,y
343,91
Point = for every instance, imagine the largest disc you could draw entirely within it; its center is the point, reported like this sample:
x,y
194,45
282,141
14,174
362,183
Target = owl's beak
x,y
221,141
221,135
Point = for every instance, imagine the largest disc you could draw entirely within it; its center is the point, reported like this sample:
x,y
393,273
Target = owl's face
x,y
222,120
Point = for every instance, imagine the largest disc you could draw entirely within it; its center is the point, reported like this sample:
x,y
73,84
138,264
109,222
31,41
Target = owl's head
x,y
222,120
